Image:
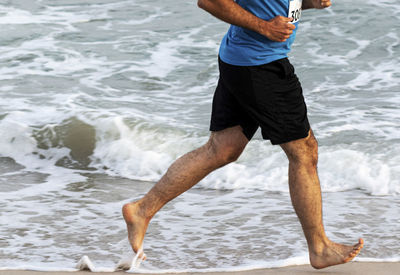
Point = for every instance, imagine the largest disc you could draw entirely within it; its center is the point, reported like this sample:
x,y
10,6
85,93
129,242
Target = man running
x,y
257,88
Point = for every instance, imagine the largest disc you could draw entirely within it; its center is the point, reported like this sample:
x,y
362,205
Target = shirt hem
x,y
252,63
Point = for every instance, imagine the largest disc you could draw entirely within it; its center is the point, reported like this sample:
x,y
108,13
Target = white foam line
x,y
148,19
36,268
86,264
386,260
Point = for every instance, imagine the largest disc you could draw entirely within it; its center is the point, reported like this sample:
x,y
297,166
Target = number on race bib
x,y
296,15
295,10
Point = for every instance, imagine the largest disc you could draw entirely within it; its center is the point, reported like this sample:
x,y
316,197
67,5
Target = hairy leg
x,y
222,148
305,193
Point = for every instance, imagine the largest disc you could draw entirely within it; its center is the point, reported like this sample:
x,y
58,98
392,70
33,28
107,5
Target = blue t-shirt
x,y
243,47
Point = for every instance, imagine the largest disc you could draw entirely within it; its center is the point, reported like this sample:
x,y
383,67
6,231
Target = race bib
x,y
295,10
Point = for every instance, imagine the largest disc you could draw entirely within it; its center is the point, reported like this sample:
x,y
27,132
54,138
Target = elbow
x,y
201,4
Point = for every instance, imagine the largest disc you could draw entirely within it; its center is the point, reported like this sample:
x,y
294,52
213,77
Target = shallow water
x,y
99,98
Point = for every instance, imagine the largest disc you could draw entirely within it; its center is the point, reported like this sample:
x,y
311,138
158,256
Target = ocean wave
x,y
142,151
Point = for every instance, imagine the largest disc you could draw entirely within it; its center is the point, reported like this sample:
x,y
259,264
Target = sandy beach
x,y
354,268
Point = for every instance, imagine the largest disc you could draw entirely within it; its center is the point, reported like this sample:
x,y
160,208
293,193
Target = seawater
x,y
99,97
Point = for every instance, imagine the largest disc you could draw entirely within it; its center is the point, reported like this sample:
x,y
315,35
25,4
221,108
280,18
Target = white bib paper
x,y
295,10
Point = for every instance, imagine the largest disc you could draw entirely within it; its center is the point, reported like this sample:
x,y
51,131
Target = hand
x,y
278,29
320,4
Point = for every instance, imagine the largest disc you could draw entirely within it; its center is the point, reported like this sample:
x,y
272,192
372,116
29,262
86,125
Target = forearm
x,y
277,29
232,13
307,4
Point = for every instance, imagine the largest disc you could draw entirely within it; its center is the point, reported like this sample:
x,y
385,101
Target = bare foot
x,y
334,254
137,226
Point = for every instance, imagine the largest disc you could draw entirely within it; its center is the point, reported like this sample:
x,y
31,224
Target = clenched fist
x,y
316,4
278,29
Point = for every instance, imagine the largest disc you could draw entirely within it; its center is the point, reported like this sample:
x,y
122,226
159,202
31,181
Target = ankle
x,y
133,209
318,246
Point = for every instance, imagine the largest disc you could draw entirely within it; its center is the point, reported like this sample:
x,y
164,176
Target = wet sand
x,y
354,268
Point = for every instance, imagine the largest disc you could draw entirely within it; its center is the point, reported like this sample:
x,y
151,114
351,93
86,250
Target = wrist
x,y
263,27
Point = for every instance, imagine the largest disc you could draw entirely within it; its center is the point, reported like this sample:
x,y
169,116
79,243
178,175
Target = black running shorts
x,y
267,96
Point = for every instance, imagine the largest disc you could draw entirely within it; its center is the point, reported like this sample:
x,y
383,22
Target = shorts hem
x,y
247,134
289,139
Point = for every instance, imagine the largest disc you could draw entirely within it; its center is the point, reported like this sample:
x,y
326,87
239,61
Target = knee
x,y
230,154
306,153
224,153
